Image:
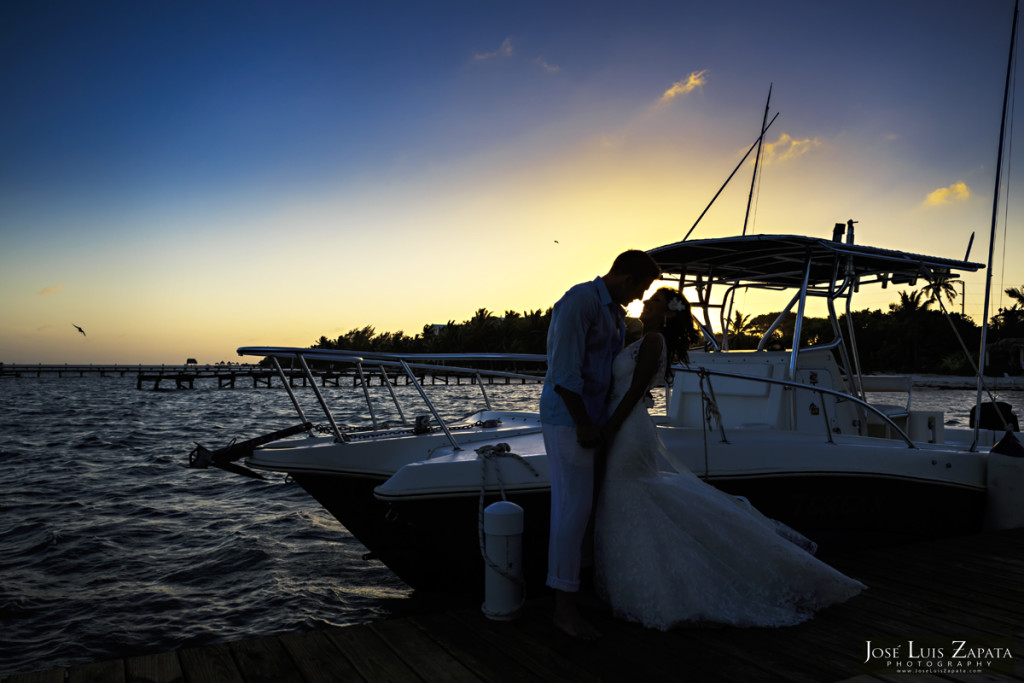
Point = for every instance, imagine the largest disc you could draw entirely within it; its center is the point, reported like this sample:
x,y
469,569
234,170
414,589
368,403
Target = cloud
x,y
957,192
687,85
786,148
504,51
49,290
542,63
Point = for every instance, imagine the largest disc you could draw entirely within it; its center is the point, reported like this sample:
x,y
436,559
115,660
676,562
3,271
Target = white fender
x,y
504,586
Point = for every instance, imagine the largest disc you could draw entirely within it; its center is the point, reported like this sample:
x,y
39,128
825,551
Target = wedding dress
x,y
670,548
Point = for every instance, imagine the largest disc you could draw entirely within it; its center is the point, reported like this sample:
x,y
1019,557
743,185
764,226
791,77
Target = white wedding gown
x,y
670,548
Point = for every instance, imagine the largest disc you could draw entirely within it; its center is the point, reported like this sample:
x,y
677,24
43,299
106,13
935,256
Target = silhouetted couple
x,y
668,548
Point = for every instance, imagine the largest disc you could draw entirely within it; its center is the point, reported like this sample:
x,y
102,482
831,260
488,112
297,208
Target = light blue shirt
x,y
586,333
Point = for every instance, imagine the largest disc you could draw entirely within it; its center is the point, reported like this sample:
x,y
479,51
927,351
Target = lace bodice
x,y
635,447
623,367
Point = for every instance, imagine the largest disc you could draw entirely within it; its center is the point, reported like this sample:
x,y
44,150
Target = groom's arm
x,y
588,433
567,348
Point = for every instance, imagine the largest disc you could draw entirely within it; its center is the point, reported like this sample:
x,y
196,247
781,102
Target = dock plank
x,y
209,664
512,639
55,675
781,654
721,659
421,653
957,589
110,671
370,655
265,660
318,658
947,611
687,653
157,668
595,659
482,658
950,607
992,580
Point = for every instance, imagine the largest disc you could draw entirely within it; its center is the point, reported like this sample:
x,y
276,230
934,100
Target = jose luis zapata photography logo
x,y
939,656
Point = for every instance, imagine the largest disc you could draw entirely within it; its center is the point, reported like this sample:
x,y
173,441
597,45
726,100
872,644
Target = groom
x,y
586,333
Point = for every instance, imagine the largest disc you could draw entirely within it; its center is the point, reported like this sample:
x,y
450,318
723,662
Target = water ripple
x,y
110,548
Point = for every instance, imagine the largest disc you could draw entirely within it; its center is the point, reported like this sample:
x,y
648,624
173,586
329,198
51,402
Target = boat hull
x,y
432,542
844,512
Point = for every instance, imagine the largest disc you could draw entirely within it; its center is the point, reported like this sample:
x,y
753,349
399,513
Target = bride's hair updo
x,y
679,331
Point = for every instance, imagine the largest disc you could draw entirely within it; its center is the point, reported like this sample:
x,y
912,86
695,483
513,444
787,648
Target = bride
x,y
669,548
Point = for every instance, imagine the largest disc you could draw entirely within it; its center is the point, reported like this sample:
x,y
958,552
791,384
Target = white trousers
x,y
572,499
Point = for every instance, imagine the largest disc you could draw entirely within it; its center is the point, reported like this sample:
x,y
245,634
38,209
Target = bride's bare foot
x,y
568,619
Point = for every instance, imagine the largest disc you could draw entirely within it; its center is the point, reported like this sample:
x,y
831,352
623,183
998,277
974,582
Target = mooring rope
x,y
486,454
709,408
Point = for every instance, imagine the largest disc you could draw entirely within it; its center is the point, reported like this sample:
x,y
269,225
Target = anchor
x,y
224,458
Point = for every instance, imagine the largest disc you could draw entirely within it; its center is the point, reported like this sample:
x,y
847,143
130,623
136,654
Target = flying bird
x,y
78,328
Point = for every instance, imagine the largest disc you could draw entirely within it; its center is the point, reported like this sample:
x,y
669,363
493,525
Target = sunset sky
x,y
180,179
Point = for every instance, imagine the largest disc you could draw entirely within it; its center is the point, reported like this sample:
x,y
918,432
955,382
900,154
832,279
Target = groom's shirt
x,y
587,330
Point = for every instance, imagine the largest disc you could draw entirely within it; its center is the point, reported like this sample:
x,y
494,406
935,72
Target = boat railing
x,y
408,363
704,372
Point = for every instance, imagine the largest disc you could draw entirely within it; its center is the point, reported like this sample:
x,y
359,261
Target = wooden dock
x,y
227,376
963,589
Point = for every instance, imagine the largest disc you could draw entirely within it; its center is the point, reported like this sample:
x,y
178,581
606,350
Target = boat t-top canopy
x,y
784,261
808,266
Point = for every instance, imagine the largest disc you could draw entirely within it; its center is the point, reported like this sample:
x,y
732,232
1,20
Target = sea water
x,y
110,547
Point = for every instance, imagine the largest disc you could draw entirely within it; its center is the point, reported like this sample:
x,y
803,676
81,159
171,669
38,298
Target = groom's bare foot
x,y
568,619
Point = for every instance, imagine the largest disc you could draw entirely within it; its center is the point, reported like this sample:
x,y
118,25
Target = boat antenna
x,y
970,243
763,131
995,214
757,157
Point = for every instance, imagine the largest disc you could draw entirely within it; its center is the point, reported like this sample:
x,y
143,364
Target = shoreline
x,y
966,382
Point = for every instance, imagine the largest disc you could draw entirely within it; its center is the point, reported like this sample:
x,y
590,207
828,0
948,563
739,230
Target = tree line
x,y
913,336
512,332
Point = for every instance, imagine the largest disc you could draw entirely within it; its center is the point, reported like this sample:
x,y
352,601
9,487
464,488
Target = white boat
x,y
789,429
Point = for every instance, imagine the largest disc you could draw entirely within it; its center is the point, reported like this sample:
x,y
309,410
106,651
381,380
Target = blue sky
x,y
184,178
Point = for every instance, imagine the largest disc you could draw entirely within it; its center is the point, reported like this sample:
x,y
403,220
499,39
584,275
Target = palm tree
x,y
357,339
1017,294
911,303
739,324
482,331
940,286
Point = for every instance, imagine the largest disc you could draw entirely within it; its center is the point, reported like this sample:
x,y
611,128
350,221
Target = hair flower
x,y
676,305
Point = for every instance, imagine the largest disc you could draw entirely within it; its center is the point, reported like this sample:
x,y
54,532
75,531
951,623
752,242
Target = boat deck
x,y
937,592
